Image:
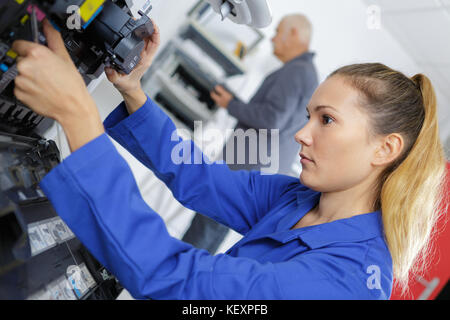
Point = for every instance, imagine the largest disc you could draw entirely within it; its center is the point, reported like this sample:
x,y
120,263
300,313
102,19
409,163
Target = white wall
x,y
447,148
422,27
340,37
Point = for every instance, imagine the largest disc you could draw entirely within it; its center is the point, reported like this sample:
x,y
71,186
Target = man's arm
x,y
281,99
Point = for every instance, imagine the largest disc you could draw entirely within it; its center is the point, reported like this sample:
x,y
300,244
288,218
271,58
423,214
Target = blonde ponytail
x,y
411,194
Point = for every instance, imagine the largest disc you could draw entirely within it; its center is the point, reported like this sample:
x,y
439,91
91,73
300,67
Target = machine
x,y
40,258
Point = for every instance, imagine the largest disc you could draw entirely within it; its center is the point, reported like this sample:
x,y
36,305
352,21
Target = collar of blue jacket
x,y
358,228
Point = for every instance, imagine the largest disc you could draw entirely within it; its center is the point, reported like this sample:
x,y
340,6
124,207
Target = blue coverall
x,y
95,193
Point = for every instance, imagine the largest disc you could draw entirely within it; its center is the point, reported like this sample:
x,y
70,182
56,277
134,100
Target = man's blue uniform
x,y
95,193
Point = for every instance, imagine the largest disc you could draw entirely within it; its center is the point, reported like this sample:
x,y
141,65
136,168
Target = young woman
x,y
361,213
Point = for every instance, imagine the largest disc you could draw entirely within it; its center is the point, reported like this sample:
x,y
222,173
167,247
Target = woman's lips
x,y
305,159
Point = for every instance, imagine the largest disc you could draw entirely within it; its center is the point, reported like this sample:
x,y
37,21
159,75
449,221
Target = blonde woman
x,y
360,214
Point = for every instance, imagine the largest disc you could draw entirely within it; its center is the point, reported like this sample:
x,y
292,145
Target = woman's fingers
x,y
112,74
24,48
22,95
55,41
153,41
24,84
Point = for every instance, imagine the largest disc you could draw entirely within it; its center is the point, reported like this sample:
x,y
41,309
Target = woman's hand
x,y
130,83
50,84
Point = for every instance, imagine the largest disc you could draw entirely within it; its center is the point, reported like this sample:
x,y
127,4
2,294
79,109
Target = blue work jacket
x,y
95,193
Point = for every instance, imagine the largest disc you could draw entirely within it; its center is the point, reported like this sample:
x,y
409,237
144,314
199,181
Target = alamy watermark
x,y
374,280
74,20
251,145
373,17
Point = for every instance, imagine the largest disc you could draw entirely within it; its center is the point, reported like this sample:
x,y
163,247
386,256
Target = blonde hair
x,y
410,190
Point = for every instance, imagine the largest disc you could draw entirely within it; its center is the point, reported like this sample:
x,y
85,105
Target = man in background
x,y
279,104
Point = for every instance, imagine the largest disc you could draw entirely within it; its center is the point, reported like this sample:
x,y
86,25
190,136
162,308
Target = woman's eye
x,y
326,119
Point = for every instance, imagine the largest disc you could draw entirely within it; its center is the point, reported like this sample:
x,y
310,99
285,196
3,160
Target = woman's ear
x,y
389,148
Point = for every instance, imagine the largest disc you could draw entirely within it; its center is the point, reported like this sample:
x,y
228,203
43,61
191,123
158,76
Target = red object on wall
x,y
431,284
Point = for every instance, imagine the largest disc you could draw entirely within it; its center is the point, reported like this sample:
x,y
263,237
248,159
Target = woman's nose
x,y
303,136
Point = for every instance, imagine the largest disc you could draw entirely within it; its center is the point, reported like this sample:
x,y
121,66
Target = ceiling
x,y
422,28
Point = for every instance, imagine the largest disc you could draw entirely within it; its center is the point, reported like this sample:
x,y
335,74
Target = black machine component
x,y
40,258
193,33
104,32
97,33
16,118
190,75
179,114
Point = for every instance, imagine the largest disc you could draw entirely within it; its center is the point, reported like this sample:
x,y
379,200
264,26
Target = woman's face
x,y
336,139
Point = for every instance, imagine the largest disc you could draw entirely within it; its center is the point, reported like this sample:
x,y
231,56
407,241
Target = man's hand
x,y
50,84
221,97
129,85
